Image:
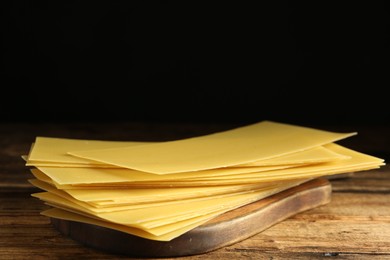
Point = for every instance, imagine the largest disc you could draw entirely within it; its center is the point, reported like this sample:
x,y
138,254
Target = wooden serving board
x,y
229,228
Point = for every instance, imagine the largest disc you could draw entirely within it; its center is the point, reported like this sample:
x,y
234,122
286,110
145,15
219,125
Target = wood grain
x,y
354,225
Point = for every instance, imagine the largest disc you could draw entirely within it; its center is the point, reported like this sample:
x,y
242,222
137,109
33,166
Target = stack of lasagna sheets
x,y
162,190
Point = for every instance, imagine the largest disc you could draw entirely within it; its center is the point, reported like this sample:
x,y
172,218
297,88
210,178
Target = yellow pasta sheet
x,y
99,175
54,150
233,181
113,208
161,190
116,197
318,154
248,144
151,217
314,155
358,161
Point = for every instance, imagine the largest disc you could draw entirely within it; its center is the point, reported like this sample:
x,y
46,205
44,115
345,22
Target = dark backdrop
x,y
202,61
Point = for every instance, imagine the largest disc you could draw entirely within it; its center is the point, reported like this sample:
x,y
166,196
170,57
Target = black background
x,y
307,62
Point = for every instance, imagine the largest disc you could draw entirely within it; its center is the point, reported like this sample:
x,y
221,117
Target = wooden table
x,y
354,225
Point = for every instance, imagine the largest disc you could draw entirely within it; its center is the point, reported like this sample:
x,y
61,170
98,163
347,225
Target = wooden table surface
x,y
354,225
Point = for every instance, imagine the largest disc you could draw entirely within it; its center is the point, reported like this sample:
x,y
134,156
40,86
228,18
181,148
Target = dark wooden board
x,y
227,229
